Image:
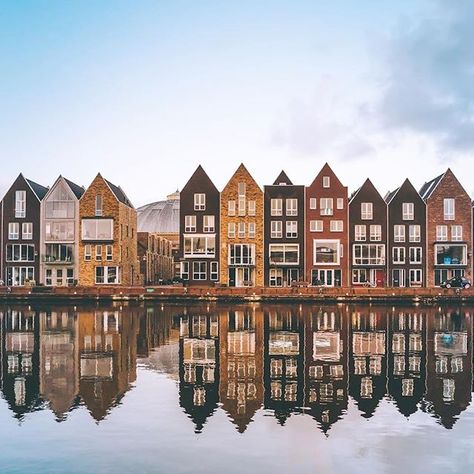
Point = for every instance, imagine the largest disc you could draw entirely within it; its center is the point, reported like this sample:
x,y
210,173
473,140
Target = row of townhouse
x,y
67,235
318,235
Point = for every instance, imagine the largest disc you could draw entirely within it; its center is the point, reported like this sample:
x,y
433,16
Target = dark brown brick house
x,y
199,230
406,254
327,256
284,232
368,236
449,229
21,230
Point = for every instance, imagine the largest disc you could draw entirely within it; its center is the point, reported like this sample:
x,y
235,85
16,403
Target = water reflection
x,y
286,360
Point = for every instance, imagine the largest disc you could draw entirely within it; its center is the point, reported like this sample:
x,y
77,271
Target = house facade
x,y
284,232
108,244
406,254
327,256
199,219
368,236
21,218
449,229
60,234
242,231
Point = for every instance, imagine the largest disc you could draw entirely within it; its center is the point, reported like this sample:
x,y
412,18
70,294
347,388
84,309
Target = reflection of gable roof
x,y
427,189
119,194
77,190
38,189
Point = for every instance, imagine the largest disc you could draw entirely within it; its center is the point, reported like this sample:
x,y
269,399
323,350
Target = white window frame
x,y
399,233
87,252
13,230
366,211
190,223
336,242
291,229
20,204
326,181
209,223
408,211
316,226
276,229
337,226
411,276
414,233
231,208
398,255
276,207
27,230
200,270
251,208
251,230
285,248
199,201
375,233
214,271
340,203
360,233
241,230
98,205
231,230
291,205
313,203
449,208
414,253
326,206
456,233
441,233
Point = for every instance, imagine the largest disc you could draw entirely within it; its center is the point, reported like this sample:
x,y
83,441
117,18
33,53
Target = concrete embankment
x,y
177,294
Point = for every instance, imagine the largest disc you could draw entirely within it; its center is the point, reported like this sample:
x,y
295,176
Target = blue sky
x,y
145,91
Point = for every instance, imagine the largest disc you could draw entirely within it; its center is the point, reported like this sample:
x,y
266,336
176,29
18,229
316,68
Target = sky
x,y
144,92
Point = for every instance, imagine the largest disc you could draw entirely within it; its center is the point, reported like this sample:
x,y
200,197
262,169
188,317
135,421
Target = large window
x,y
241,254
276,207
284,254
20,253
199,245
449,209
107,275
97,229
20,204
18,276
455,254
59,230
369,254
58,253
326,252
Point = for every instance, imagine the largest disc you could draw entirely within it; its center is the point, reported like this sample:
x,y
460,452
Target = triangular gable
x,y
282,179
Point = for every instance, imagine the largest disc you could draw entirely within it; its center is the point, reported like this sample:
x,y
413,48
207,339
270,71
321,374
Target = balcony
x,y
58,254
53,259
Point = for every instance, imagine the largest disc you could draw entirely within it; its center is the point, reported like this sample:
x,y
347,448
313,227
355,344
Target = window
x,y
199,271
276,207
315,226
231,208
326,182
98,252
340,203
399,233
276,229
284,253
208,224
416,254
292,207
312,203
87,252
337,226
326,252
398,254
231,229
456,233
242,202
18,276
241,230
20,253
13,230
59,253
251,208
20,204
184,270
59,205
214,271
98,205
360,233
414,233
189,223
408,211
109,252
59,230
416,277
441,233
291,229
199,202
107,275
369,254
241,254
97,229
27,230
375,233
276,277
366,211
449,207
455,254
200,245
251,230
326,206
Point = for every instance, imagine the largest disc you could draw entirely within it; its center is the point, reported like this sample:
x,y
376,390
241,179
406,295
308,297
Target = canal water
x,y
233,389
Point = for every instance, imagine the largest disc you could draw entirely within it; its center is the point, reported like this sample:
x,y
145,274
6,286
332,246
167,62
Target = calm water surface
x,y
231,389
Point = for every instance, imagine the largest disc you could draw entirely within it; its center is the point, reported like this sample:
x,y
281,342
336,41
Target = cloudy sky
x,y
145,91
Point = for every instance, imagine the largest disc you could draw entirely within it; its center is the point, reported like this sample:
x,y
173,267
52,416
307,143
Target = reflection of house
x,y
367,383
326,365
20,361
59,359
407,359
449,379
198,355
107,348
283,374
241,364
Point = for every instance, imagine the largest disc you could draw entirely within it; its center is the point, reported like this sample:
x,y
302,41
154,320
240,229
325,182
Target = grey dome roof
x,y
160,216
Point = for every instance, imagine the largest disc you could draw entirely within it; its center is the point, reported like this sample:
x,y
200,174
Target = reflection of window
x,y
231,208
284,253
451,254
449,388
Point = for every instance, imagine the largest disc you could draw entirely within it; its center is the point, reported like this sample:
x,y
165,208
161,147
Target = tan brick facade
x,y
124,238
246,274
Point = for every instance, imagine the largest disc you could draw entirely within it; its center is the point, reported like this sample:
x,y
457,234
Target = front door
x,y
398,277
243,276
293,275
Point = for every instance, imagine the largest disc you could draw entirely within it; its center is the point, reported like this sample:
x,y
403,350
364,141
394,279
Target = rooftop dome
x,y
160,216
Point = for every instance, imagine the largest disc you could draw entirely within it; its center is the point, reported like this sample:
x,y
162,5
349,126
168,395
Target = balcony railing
x,y
56,259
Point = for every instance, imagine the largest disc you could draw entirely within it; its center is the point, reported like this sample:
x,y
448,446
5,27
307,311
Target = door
x,y
293,275
379,278
398,277
243,276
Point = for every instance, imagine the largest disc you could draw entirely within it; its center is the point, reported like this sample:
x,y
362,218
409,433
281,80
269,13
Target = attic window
x,y
326,182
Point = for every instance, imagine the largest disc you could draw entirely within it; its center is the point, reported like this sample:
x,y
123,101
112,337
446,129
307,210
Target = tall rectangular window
x,y
87,252
214,271
13,230
449,209
184,270
366,211
340,203
251,208
441,233
456,233
375,233
313,203
326,206
360,232
276,231
415,233
242,189
27,230
241,230
398,255
190,223
199,202
199,270
20,204
98,205
399,233
231,208
408,211
276,207
251,230
109,252
98,252
416,255
326,182
292,207
292,229
231,229
208,223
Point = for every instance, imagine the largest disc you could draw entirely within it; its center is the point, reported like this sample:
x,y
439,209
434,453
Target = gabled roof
x,y
243,169
119,194
427,189
324,171
367,183
390,195
77,190
39,190
406,186
200,173
283,179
